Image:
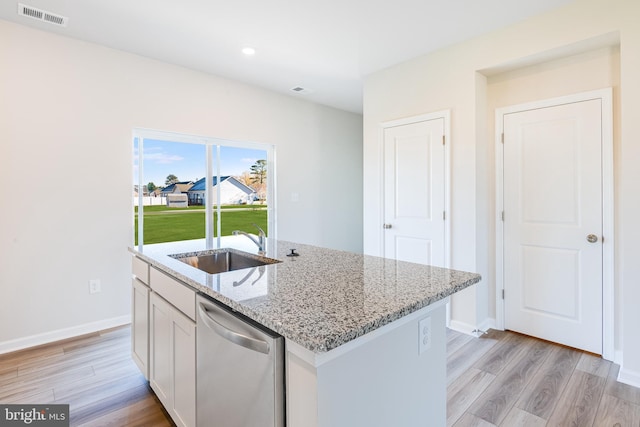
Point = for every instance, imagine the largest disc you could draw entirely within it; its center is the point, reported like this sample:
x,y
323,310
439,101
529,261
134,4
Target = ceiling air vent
x,y
300,89
42,15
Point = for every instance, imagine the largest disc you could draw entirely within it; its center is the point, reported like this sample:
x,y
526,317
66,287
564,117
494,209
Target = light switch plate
x,y
94,286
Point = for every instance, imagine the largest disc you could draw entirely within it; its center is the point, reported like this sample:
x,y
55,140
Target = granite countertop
x,y
322,298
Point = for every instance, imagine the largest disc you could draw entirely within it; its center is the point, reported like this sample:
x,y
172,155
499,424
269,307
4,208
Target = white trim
x,y
170,136
218,193
629,377
608,220
468,329
446,116
462,327
608,224
447,187
61,334
499,173
272,210
488,323
140,192
381,183
208,213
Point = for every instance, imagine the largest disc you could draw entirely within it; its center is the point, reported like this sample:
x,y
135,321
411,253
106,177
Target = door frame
x,y
443,114
608,241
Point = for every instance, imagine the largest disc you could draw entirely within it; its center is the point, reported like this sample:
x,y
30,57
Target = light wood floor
x,y
94,374
507,379
500,379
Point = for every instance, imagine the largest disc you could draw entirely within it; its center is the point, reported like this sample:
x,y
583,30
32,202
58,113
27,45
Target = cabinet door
x,y
173,361
184,368
140,326
161,372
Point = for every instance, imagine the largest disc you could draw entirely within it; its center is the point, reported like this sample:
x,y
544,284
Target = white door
x,y
553,223
414,192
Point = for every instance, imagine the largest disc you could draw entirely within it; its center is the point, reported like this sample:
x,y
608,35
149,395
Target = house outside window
x,y
178,202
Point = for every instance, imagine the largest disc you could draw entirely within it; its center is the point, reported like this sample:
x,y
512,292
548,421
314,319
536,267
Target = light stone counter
x,y
320,299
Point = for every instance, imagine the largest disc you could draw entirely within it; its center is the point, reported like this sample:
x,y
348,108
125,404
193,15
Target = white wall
x,y
67,110
456,78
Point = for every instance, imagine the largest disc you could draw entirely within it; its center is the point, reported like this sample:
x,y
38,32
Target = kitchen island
x,y
364,336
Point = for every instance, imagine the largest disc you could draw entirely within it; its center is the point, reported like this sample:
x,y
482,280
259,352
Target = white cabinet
x,y
183,332
140,270
180,296
160,375
173,359
140,315
163,339
140,326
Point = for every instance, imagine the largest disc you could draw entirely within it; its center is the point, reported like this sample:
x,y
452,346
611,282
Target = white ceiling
x,y
325,46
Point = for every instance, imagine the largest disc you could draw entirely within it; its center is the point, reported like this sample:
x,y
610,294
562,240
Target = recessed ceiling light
x,y
248,51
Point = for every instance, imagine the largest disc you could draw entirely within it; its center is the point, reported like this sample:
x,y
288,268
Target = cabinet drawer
x,y
140,269
179,295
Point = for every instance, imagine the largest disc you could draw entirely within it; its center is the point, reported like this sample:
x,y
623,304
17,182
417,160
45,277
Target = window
x,y
188,187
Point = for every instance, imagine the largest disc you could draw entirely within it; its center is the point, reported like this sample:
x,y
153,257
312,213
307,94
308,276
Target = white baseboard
x,y
61,334
487,324
629,377
617,357
472,330
463,327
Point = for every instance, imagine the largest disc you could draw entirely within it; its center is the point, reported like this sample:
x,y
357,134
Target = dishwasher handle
x,y
232,336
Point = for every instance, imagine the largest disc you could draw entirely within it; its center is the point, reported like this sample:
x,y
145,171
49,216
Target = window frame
x,y
211,144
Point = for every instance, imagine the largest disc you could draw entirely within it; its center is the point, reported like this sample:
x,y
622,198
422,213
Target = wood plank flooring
x,y
500,379
507,379
93,373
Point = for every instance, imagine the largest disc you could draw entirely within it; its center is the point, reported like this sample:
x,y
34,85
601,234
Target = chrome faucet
x,y
259,242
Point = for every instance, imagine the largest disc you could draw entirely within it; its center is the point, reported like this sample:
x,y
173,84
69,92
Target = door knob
x,y
386,226
592,238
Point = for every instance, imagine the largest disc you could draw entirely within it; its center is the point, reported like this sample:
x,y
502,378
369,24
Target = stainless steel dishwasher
x,y
240,365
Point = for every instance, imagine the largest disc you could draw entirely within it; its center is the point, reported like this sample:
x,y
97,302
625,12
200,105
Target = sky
x,y
187,161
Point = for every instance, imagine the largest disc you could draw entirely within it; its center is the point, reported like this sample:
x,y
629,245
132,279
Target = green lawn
x,y
162,224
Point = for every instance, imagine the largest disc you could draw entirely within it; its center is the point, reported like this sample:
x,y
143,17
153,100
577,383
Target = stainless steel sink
x,y
222,260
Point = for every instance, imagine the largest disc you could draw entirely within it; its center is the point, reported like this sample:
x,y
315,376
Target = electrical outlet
x,y
94,286
424,335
